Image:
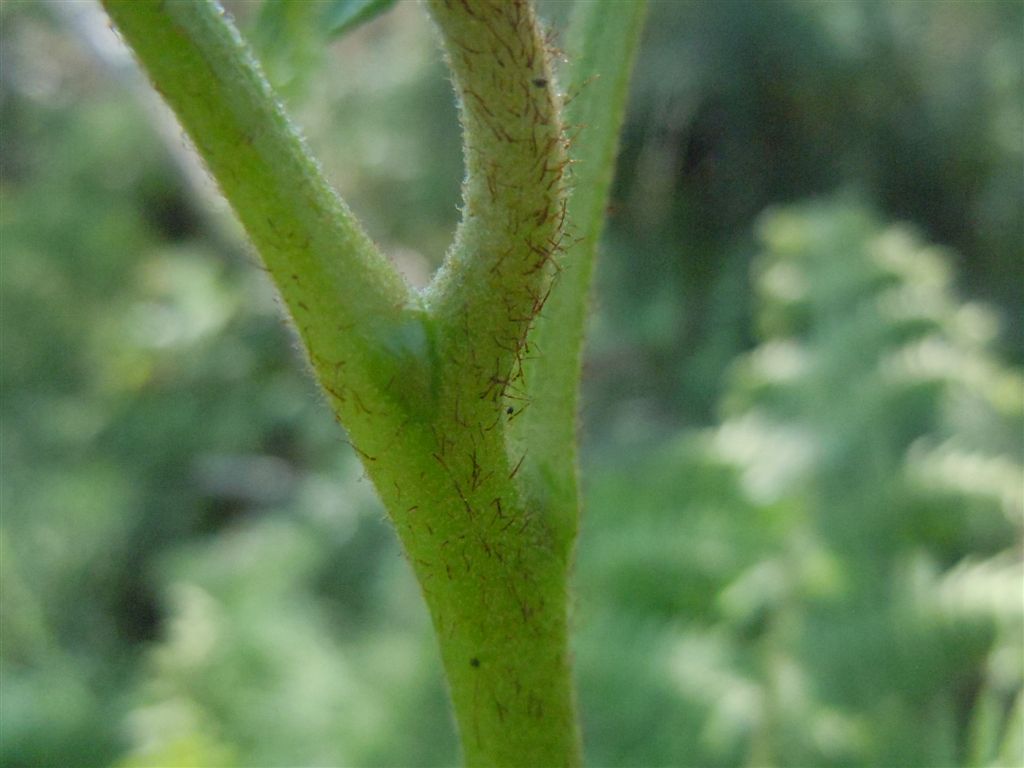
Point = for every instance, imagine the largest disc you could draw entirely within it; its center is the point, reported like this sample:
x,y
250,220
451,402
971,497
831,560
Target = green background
x,y
802,423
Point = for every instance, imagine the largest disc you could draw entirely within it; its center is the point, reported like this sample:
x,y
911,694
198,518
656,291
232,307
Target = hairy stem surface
x,y
471,452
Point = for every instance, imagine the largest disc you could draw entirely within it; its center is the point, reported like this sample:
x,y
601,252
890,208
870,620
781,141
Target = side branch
x,y
498,274
348,303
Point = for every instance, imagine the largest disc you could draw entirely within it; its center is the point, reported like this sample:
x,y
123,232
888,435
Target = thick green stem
x,y
494,566
496,589
434,395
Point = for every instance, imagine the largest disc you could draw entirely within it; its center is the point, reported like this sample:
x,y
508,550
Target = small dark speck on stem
x,y
474,662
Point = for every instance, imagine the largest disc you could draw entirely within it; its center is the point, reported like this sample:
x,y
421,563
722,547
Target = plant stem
x,y
603,37
430,392
499,603
351,308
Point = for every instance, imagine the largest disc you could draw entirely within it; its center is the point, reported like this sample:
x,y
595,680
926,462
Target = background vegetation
x,y
802,433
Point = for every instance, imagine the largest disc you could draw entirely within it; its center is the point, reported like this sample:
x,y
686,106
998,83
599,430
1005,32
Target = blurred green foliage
x,y
804,485
832,575
740,105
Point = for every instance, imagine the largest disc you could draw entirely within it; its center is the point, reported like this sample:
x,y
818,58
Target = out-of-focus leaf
x,y
342,16
289,39
290,36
